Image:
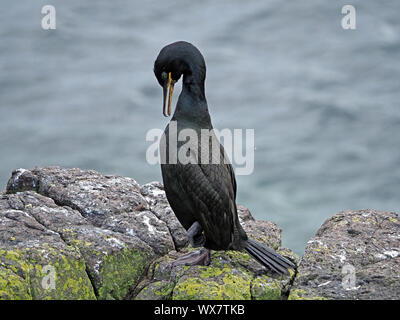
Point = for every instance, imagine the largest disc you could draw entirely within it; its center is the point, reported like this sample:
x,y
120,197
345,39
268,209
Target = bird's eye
x,y
164,75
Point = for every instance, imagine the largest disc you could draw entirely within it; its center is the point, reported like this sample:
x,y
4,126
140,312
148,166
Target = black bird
x,y
201,192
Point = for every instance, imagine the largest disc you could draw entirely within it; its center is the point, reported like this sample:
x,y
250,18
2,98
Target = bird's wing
x,y
212,190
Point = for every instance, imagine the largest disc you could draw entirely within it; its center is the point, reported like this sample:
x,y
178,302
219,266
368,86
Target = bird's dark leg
x,y
196,239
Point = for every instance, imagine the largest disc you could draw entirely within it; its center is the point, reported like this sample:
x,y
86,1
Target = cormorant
x,y
201,192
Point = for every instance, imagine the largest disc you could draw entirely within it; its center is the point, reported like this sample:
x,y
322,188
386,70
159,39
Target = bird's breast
x,y
190,145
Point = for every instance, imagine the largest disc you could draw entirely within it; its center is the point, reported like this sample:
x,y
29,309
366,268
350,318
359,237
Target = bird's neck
x,y
194,84
192,103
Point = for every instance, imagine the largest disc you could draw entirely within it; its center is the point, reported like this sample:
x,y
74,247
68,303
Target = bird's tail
x,y
268,257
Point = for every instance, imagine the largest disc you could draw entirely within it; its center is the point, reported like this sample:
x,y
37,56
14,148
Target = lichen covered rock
x,y
231,275
109,238
354,255
76,234
30,254
103,223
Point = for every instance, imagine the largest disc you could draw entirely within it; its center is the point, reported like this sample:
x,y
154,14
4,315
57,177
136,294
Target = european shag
x,y
200,184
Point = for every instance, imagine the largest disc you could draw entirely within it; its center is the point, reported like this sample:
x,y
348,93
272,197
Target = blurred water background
x,y
324,102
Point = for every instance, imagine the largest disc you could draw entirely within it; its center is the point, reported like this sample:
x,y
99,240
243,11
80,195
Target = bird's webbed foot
x,y
200,258
196,236
196,239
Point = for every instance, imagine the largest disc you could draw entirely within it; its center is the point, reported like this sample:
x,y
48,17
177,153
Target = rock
x,y
76,234
109,238
263,231
354,255
108,202
155,196
105,219
231,275
29,251
88,261
92,194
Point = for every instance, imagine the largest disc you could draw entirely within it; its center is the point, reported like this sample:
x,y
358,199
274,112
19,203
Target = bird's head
x,y
173,61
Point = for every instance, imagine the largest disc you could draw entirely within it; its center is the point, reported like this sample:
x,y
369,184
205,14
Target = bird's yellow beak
x,y
168,90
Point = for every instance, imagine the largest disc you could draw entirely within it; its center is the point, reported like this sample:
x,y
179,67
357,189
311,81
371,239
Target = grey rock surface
x,y
120,233
107,237
105,218
354,255
231,275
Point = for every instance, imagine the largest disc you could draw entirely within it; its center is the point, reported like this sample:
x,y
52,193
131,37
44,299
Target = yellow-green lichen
x,y
300,294
79,243
220,258
268,241
214,284
165,291
120,271
212,272
70,277
394,220
12,286
237,255
159,290
266,288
